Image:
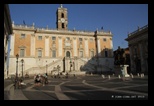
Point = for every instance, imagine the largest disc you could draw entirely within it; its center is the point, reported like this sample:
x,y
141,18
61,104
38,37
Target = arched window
x,y
62,15
62,25
67,54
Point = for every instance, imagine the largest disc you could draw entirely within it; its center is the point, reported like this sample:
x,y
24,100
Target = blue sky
x,y
117,18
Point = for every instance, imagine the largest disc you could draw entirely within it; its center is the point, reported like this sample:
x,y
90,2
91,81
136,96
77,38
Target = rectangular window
x,y
67,38
22,52
92,53
104,39
62,25
53,38
39,53
80,39
22,35
54,53
81,54
39,37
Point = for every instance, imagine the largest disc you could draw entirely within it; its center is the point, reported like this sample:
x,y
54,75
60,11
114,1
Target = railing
x,y
23,26
87,65
52,29
84,61
43,67
139,29
53,63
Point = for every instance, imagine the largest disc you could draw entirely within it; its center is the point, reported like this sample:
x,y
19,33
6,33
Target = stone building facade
x,y
63,50
138,47
7,32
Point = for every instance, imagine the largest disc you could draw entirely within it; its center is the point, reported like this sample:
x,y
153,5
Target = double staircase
x,y
85,66
42,69
88,66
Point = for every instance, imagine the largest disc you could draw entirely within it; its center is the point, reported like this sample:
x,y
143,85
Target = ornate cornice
x,y
39,48
53,48
22,46
85,38
59,37
46,36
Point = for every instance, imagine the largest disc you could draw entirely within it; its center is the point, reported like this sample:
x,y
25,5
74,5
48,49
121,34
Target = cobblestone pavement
x,y
92,87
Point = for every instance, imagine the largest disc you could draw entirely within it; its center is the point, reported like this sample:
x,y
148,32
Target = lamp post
x,y
96,45
22,61
46,67
58,69
70,64
16,80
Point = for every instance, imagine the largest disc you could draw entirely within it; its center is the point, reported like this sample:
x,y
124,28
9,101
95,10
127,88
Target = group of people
x,y
41,79
19,82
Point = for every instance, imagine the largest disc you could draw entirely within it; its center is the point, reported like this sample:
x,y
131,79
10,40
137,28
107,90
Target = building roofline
x,y
56,31
8,17
137,32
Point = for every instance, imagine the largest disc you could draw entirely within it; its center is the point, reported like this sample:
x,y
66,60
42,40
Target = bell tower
x,y
62,19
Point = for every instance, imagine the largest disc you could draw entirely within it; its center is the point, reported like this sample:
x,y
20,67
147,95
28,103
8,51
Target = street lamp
x,y
46,67
70,65
22,61
58,69
96,45
16,81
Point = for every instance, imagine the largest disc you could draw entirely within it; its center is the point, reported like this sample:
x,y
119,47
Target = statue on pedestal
x,y
121,61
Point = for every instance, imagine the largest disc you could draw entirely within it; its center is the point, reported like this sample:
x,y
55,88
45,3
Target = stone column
x,y
60,46
98,46
143,68
146,55
76,64
86,48
99,54
66,64
32,45
133,66
12,45
46,46
74,46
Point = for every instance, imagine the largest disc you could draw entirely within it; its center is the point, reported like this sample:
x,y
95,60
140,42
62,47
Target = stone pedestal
x,y
124,70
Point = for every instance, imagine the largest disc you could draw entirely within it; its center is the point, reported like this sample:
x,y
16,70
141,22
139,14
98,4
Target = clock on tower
x,y
62,20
